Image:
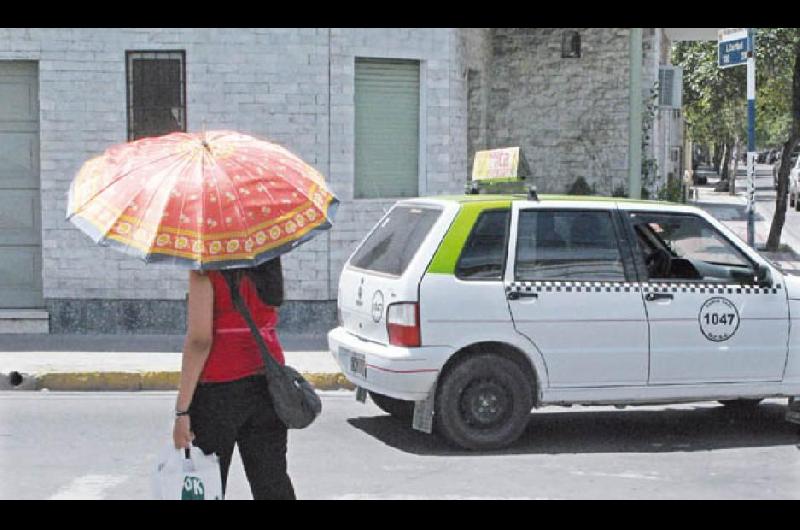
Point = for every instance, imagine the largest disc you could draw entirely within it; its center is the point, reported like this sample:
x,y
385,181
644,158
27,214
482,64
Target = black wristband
x,y
179,413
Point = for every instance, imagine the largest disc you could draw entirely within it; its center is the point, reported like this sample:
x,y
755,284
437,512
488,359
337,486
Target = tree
x,y
713,98
715,103
786,43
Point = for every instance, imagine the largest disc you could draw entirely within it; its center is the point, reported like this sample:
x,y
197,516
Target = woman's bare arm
x,y
199,335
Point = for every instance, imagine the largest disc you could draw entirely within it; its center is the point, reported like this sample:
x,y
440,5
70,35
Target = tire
x,y
741,405
398,408
483,403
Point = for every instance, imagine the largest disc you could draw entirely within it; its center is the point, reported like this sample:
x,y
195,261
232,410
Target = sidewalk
x,y
732,211
146,362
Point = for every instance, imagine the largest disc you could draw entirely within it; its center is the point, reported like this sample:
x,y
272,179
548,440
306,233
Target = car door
x,y
572,291
709,319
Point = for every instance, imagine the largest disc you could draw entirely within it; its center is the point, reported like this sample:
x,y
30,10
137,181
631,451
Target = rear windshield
x,y
392,245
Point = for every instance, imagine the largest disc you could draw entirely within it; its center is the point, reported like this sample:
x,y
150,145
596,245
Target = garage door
x,y
20,218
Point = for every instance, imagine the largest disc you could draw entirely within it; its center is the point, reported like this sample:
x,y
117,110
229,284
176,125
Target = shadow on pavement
x,y
701,428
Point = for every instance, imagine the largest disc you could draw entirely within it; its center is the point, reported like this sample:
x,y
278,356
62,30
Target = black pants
x,y
241,412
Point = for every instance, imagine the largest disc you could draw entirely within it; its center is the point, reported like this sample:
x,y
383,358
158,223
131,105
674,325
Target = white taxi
x,y
470,311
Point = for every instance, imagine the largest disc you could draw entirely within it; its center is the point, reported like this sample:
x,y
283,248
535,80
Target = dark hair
x,y
267,277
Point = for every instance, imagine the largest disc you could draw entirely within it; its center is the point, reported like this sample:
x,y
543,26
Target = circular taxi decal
x,y
377,306
719,319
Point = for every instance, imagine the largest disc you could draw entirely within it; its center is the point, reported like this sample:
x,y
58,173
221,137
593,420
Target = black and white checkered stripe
x,y
635,287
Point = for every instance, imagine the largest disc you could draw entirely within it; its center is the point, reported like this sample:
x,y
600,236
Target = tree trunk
x,y
726,162
774,239
717,158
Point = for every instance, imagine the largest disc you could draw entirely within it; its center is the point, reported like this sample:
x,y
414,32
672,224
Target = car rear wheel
x,y
398,408
483,403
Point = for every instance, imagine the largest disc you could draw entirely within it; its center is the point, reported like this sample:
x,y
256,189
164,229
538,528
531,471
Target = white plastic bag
x,y
177,477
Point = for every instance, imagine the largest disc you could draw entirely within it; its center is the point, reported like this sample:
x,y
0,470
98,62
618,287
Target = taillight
x,y
402,321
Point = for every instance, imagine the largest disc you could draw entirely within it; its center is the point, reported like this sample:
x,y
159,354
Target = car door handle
x,y
516,295
658,296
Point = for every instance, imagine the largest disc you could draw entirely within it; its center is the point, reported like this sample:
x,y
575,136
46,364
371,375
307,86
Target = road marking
x,y
617,475
88,487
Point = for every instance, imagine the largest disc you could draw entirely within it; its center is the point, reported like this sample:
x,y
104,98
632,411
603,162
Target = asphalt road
x,y
98,445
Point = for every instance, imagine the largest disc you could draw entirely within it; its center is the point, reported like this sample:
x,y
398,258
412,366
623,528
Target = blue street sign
x,y
732,52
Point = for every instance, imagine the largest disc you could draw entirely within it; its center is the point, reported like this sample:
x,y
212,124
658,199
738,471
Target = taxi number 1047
x,y
717,318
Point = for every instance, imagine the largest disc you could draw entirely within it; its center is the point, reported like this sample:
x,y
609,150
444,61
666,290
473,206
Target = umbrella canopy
x,y
213,200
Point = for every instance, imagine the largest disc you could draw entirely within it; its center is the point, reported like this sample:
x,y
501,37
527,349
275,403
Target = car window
x,y
484,253
567,245
391,246
687,247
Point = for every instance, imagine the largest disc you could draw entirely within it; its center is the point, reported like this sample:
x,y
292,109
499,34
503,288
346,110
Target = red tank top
x,y
234,352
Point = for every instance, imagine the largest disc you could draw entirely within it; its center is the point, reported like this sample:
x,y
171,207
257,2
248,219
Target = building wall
x,y
570,116
480,88
294,86
442,107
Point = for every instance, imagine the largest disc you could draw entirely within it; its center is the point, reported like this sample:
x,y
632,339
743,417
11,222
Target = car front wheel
x,y
483,403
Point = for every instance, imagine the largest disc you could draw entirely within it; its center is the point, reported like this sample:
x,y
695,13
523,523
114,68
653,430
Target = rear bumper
x,y
401,373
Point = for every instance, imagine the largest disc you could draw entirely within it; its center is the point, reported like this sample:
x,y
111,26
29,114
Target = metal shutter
x,y
387,128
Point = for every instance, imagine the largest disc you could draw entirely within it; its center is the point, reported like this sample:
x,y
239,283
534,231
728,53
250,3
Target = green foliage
x,y
672,192
715,99
580,187
649,165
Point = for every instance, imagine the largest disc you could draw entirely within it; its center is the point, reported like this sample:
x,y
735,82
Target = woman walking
x,y
223,398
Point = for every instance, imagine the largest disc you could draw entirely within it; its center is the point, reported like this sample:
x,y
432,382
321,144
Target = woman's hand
x,y
182,433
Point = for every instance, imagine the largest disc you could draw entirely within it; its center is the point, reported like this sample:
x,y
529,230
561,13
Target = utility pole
x,y
751,135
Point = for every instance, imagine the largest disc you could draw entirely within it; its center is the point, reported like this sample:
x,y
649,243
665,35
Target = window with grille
x,y
156,92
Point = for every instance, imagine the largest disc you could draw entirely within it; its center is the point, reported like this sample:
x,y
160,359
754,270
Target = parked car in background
x,y
794,183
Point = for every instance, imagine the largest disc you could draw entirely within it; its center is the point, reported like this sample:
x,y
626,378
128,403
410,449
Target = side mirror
x,y
762,275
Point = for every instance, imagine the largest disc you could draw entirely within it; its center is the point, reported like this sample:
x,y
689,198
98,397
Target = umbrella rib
x,y
180,210
119,177
182,159
238,202
271,197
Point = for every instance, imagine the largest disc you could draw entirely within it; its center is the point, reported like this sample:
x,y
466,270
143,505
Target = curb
x,y
133,381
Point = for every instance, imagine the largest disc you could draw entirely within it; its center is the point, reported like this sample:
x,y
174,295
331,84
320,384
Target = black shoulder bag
x,y
296,402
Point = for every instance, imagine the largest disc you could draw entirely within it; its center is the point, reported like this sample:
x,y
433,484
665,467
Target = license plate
x,y
358,363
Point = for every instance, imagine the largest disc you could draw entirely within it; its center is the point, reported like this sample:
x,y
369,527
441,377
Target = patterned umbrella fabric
x,y
214,200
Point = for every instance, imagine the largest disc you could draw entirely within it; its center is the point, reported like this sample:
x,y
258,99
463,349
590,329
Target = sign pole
x,y
736,46
751,135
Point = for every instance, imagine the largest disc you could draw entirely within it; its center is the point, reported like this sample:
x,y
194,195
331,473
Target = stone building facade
x,y
479,88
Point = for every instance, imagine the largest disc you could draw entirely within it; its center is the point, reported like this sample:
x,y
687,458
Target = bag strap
x,y
236,296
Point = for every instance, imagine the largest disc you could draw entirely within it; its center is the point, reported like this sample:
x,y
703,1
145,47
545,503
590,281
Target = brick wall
x,y
569,115
294,86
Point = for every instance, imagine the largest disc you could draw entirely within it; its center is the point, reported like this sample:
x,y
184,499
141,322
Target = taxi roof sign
x,y
506,163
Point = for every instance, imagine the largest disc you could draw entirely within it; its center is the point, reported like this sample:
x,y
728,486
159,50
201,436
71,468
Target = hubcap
x,y
485,404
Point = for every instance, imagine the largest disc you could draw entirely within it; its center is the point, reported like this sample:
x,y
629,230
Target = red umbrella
x,y
212,200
